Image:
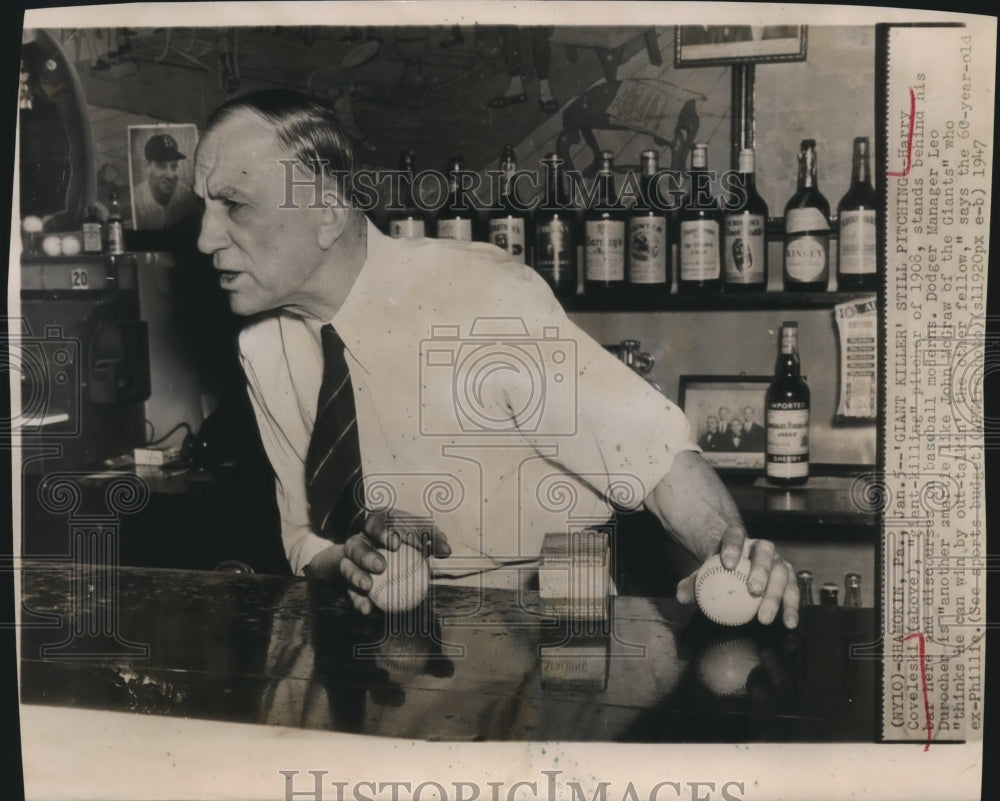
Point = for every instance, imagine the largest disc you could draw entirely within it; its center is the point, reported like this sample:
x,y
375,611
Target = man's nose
x,y
213,236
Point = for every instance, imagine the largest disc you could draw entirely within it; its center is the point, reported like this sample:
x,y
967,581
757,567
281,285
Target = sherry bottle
x,y
699,240
807,229
115,244
856,262
745,228
407,222
457,219
604,234
508,224
787,415
555,232
648,239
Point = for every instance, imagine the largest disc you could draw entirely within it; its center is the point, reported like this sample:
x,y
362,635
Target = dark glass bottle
x,y
805,579
509,224
115,244
787,415
856,259
555,232
93,231
698,231
807,229
457,218
744,229
852,590
828,594
408,222
604,234
648,236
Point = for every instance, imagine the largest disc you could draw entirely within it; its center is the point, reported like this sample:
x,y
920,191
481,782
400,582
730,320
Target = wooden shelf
x,y
756,301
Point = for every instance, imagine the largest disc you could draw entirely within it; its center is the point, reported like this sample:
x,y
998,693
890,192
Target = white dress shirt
x,y
479,403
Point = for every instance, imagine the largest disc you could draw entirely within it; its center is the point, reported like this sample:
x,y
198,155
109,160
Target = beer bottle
x,y
698,246
457,219
787,411
115,244
604,234
745,226
93,229
805,579
828,594
852,590
407,222
807,229
555,232
648,239
509,223
856,246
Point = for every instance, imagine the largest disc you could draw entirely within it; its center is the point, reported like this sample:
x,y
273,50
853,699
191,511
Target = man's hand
x,y
770,577
359,559
695,507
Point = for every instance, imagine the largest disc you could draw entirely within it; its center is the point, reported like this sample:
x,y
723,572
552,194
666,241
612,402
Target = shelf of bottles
x,y
706,247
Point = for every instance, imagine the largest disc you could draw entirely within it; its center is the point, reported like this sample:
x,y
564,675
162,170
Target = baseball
x,y
723,595
724,667
404,582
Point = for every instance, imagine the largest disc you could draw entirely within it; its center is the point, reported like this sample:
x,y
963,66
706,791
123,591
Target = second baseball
x,y
722,594
404,582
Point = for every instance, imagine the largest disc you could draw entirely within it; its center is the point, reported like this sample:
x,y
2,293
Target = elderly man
x,y
162,200
427,391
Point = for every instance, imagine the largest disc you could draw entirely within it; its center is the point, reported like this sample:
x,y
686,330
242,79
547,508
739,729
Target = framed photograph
x,y
707,45
161,172
727,413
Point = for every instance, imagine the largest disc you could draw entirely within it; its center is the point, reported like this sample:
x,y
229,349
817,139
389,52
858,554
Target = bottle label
x,y
407,229
807,219
605,249
806,257
555,251
745,249
857,242
116,238
699,250
508,233
788,439
91,237
647,249
455,229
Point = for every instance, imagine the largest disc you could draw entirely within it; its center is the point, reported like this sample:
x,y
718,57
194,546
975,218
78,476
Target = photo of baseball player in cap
x,y
161,175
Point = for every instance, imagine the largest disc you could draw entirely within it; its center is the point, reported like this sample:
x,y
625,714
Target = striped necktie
x,y
334,481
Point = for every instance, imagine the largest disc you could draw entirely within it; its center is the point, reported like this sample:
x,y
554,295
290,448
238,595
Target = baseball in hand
x,y
404,582
723,595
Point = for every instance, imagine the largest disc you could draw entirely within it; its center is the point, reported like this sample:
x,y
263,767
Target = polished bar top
x,y
469,665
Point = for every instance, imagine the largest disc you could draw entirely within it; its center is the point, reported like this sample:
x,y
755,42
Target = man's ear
x,y
333,219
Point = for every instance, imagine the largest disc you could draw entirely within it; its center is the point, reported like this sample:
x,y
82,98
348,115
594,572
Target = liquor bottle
x,y
457,219
509,223
115,244
93,229
648,239
852,590
787,410
604,234
555,232
807,229
856,242
828,594
805,579
699,240
407,222
744,229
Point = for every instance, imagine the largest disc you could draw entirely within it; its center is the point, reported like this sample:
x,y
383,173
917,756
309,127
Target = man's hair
x,y
308,129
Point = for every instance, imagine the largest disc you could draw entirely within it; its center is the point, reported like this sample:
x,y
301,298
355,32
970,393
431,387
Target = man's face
x,y
723,415
162,177
748,416
713,424
268,257
736,426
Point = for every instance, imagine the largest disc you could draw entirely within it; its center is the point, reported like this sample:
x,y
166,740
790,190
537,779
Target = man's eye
x,y
231,205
